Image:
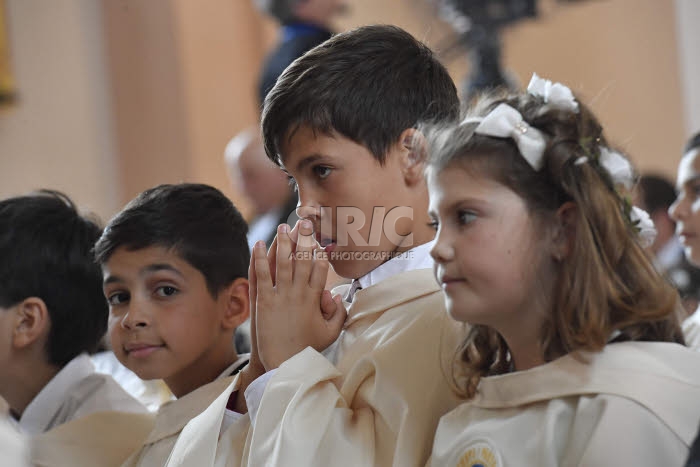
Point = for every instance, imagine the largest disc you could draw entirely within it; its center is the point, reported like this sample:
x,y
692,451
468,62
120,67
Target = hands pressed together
x,y
289,307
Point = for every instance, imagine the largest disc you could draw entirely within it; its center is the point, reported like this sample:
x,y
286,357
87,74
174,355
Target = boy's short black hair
x,y
196,221
693,142
368,84
46,252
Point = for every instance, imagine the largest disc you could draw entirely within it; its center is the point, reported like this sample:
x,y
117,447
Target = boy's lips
x,y
141,350
324,241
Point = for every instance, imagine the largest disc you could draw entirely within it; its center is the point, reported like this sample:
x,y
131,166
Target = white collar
x,y
415,258
38,414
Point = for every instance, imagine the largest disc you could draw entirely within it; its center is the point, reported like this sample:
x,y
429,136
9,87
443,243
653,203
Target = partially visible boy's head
x,y
46,262
196,221
368,85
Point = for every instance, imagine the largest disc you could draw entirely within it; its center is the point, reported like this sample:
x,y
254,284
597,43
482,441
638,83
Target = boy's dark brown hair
x,y
369,85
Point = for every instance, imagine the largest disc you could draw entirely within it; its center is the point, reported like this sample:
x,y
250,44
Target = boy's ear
x,y
237,304
414,152
564,233
32,321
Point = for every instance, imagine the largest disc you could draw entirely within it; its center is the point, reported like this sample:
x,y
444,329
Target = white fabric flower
x,y
555,94
617,166
645,226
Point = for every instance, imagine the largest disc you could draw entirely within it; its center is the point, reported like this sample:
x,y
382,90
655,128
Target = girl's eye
x,y
465,217
434,225
117,298
166,291
292,183
322,171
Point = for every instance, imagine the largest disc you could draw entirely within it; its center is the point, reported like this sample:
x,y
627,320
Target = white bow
x,y
506,122
555,94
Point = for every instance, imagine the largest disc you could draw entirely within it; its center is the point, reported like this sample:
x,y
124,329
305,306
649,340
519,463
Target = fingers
x,y
284,252
272,259
304,261
253,294
319,273
294,235
263,280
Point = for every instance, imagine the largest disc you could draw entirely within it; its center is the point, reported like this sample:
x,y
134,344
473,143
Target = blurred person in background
x,y
265,187
304,25
655,194
686,212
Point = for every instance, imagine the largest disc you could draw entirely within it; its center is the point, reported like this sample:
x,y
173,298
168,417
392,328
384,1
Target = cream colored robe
x,y
187,431
379,405
634,404
103,439
691,330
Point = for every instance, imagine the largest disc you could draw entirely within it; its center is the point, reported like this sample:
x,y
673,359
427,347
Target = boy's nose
x,y
134,318
307,207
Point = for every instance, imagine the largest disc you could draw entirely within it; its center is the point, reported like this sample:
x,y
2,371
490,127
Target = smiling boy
x,y
175,265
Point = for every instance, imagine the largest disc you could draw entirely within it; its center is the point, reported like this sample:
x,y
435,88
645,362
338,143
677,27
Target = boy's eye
x,y
166,291
292,183
117,298
465,217
434,225
322,171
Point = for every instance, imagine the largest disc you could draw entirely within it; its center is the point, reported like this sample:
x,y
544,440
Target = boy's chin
x,y
353,265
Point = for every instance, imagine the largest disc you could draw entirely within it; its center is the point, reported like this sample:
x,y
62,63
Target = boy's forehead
x,y
143,260
307,145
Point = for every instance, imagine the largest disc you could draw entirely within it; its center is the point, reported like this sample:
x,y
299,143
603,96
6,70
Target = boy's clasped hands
x,y
289,306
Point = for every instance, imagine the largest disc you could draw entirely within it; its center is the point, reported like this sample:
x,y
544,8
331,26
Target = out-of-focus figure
x,y
304,25
655,194
263,184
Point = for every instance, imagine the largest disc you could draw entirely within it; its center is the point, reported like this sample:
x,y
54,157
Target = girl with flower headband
x,y
575,355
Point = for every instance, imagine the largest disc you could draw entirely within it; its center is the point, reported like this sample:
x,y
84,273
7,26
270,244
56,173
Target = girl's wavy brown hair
x,y
606,283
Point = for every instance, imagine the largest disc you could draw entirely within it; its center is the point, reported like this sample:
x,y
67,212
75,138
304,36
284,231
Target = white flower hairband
x,y
506,122
555,94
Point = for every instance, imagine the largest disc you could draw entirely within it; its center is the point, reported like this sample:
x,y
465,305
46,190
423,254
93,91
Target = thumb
x,y
337,318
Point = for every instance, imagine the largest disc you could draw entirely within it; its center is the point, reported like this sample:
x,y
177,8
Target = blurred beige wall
x,y
59,135
117,96
620,56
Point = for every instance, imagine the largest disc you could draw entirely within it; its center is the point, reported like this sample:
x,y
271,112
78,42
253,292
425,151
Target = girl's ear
x,y
237,304
564,233
414,152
